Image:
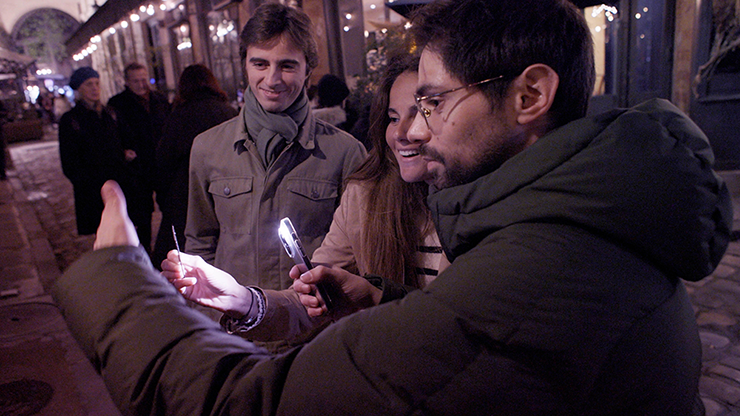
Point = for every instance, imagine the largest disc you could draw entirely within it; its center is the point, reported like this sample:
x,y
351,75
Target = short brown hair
x,y
134,66
271,20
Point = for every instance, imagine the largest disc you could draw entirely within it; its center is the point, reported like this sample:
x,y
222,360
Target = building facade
x,y
682,50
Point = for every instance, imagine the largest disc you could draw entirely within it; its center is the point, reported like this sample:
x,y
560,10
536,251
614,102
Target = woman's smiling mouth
x,y
409,153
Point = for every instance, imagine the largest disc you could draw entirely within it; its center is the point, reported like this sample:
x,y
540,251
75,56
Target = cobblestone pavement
x,y
716,299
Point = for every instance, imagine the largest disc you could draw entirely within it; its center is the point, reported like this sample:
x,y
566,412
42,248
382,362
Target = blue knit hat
x,y
81,75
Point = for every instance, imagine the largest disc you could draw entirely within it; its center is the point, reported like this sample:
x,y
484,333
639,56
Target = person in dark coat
x,y
143,111
200,104
90,149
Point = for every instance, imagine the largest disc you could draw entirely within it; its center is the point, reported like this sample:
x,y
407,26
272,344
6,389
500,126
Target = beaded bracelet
x,y
247,322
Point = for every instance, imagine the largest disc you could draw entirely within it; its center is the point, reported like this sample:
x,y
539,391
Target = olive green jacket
x,y
235,204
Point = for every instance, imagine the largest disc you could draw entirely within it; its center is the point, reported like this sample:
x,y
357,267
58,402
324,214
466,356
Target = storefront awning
x,y
107,15
13,62
406,7
15,57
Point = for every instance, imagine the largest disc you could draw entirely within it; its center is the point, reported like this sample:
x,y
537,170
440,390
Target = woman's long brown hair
x,y
395,209
197,80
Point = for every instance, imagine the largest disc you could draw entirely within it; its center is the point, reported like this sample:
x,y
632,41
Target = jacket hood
x,y
640,177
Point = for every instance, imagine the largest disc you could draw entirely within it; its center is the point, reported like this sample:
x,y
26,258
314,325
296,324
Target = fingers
x,y
314,307
307,293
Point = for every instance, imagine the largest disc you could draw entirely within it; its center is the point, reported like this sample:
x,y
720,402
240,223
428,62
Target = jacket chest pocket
x,y
232,201
311,205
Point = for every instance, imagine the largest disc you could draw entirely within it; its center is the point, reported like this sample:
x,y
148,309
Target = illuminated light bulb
x,y
112,31
124,24
346,28
134,17
348,16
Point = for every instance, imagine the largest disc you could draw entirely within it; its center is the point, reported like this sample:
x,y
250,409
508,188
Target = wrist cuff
x,y
251,319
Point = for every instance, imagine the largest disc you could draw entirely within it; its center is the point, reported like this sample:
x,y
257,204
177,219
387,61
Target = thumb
x,y
115,227
113,196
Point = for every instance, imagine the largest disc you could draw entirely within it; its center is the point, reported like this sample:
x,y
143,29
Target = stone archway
x,y
41,34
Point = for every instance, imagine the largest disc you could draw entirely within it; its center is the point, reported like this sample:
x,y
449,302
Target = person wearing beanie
x,y
81,75
91,149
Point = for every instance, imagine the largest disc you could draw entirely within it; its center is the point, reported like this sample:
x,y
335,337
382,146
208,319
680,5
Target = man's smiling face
x,y
276,72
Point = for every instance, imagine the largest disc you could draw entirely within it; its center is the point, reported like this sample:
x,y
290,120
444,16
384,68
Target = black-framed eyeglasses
x,y
425,108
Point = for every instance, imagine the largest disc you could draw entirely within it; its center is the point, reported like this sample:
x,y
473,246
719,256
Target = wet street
x,y
36,174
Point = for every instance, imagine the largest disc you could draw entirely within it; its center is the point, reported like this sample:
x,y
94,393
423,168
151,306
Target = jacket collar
x,y
306,137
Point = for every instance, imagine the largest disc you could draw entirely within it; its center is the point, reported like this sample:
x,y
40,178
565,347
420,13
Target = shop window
x,y
155,55
603,20
718,76
651,25
223,33
183,46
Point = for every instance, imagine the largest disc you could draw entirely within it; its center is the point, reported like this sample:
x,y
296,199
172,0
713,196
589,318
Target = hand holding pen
x,y
203,283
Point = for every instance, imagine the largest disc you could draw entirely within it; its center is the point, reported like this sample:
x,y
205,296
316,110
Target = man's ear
x,y
536,88
307,82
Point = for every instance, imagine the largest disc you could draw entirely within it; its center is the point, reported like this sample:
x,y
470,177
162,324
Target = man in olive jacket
x,y
274,160
568,238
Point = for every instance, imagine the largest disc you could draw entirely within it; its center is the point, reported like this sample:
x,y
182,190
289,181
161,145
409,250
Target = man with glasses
x,y
569,237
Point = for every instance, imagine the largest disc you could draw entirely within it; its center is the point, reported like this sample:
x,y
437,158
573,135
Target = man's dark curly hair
x,y
480,39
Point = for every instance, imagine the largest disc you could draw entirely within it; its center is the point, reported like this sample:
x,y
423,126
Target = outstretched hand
x,y
115,229
350,292
205,284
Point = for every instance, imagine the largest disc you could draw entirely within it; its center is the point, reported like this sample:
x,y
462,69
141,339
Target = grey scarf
x,y
271,132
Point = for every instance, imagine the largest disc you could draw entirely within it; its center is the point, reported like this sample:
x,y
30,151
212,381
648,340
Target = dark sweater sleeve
x,y
391,290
